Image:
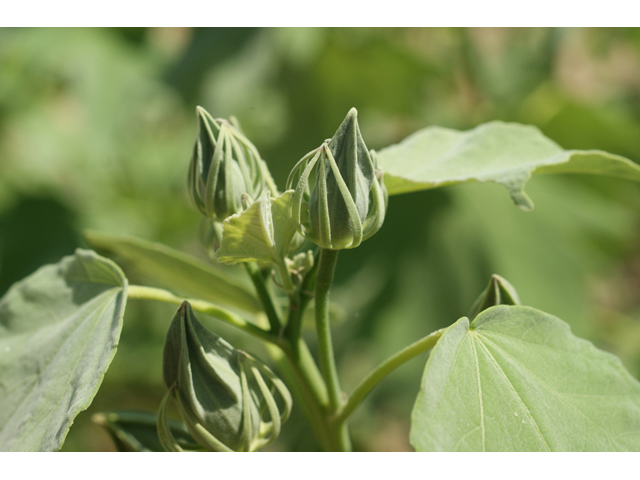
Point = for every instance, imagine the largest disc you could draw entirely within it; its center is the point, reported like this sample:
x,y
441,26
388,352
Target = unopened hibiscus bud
x,y
340,199
225,166
225,396
498,292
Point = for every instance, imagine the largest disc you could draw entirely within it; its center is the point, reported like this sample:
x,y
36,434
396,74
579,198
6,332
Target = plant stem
x,y
285,276
404,355
326,268
307,380
306,392
265,297
303,360
139,292
298,306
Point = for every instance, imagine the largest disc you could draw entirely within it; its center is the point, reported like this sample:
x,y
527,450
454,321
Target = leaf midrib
x,y
475,356
514,391
557,394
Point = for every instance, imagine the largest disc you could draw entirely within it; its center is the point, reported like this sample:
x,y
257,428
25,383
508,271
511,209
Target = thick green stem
x,y
308,393
298,305
404,355
308,382
160,295
285,276
302,358
265,297
326,268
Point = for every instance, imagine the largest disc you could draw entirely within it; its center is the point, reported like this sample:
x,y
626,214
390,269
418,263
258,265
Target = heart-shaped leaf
x,y
59,329
505,153
517,379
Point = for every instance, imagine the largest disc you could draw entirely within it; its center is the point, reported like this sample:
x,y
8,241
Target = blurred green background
x,y
96,131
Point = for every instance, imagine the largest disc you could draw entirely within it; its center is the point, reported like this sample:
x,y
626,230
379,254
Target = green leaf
x,y
262,233
517,379
505,153
138,431
59,329
177,271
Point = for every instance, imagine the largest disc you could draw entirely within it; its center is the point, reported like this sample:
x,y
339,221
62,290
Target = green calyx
x,y
498,292
340,198
225,396
225,166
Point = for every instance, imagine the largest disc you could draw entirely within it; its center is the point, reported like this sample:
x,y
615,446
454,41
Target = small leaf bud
x,y
301,262
498,292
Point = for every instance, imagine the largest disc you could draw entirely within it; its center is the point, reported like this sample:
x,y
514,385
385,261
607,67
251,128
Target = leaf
x,y
138,432
59,329
517,379
505,153
177,271
262,233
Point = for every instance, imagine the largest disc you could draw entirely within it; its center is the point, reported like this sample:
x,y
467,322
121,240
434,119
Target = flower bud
x,y
498,292
301,262
223,394
225,166
340,198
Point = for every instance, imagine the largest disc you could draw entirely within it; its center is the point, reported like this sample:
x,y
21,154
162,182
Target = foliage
x,y
290,88
517,379
60,329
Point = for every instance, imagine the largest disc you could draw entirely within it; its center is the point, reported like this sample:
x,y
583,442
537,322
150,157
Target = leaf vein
x,y
514,391
557,394
480,404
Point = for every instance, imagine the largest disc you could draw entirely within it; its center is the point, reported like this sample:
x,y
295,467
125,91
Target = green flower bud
x,y
225,166
498,292
225,396
340,198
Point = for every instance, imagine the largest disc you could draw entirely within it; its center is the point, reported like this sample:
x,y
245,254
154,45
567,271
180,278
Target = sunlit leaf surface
x,y
505,153
517,379
262,233
59,329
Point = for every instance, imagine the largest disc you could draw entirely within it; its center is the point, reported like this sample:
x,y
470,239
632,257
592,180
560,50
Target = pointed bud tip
x,y
353,112
183,306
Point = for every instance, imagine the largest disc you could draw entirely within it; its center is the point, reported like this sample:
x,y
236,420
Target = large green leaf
x,y
505,153
517,379
177,271
59,329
